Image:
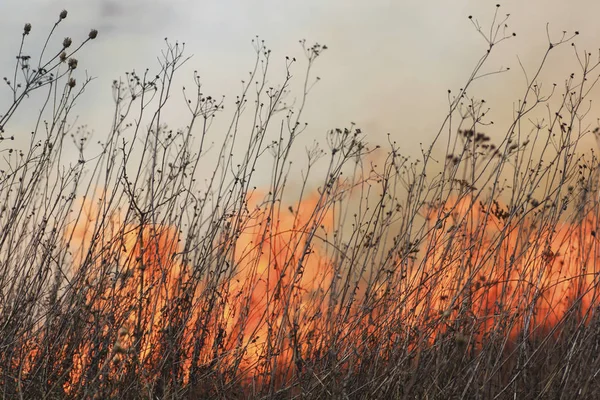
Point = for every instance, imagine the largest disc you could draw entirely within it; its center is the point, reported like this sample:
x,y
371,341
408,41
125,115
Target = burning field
x,y
468,272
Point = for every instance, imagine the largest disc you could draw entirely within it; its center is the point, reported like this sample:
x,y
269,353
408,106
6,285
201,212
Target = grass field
x,y
469,270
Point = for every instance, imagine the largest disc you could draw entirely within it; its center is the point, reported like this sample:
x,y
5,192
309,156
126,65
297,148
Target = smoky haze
x,y
388,67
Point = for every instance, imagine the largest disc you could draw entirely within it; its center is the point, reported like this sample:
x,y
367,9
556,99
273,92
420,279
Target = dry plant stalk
x,y
125,276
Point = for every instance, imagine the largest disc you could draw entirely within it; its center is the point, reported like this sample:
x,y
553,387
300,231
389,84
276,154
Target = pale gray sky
x,y
388,67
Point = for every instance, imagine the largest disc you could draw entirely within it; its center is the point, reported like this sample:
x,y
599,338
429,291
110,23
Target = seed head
x,y
93,33
534,203
63,14
72,63
27,29
67,42
63,56
72,83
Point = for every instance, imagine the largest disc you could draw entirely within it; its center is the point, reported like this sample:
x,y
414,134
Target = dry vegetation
x,y
123,275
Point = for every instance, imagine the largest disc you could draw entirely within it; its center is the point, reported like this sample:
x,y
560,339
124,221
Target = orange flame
x,y
475,269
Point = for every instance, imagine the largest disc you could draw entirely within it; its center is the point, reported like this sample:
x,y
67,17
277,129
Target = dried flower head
x,y
72,63
63,56
72,83
67,42
27,29
63,14
93,33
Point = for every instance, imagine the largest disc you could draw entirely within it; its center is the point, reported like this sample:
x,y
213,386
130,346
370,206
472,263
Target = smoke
x,y
388,69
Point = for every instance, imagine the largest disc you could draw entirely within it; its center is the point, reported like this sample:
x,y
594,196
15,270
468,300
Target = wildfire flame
x,y
280,284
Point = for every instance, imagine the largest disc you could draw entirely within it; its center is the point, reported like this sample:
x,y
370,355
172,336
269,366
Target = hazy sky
x,y
388,67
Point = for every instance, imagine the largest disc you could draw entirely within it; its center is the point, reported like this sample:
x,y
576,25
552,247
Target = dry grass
x,y
123,275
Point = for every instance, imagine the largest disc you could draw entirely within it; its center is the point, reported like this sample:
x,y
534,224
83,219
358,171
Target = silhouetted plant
x,y
129,274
